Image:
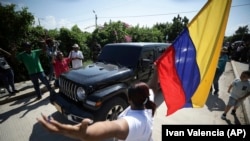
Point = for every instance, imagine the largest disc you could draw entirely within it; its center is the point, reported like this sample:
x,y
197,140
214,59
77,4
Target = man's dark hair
x,y
247,72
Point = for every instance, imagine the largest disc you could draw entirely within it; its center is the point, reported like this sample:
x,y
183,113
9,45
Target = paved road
x,y
18,117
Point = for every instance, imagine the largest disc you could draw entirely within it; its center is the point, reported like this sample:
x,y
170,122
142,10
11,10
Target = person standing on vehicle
x,y
133,124
220,69
76,57
31,60
7,73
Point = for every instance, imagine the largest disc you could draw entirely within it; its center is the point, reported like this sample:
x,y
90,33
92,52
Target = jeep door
x,y
145,69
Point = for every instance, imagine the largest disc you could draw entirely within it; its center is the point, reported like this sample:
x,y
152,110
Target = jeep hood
x,y
98,74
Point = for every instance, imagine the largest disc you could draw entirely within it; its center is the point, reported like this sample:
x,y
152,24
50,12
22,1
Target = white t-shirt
x,y
240,88
140,123
76,63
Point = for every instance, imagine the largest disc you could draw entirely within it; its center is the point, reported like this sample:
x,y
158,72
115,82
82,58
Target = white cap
x,y
75,45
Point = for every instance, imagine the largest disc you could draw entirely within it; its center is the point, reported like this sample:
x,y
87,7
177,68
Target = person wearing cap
x,y
76,57
220,69
30,59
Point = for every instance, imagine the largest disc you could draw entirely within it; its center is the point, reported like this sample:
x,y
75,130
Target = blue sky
x,y
145,13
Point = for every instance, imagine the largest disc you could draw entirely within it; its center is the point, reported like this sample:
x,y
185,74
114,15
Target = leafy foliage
x,y
15,27
18,26
241,34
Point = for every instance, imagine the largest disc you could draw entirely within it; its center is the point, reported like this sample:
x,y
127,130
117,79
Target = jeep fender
x,y
107,93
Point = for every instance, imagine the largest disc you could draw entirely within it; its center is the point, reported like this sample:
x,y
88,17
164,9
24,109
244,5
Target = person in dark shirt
x,y
220,69
7,73
51,49
96,50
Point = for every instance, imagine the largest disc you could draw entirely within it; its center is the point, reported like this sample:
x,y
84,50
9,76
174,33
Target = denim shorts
x,y
233,102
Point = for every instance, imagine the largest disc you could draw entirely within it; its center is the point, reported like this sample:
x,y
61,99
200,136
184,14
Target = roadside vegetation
x,y
18,26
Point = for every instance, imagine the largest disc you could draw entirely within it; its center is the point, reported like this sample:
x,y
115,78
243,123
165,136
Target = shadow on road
x,y
39,133
214,103
158,98
27,107
25,91
236,121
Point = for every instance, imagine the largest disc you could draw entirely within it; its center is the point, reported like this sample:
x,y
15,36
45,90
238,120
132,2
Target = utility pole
x,y
39,22
95,19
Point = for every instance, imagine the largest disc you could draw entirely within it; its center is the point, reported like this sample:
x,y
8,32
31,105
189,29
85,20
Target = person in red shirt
x,y
60,64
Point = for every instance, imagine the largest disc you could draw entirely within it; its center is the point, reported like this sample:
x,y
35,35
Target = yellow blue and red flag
x,y
186,69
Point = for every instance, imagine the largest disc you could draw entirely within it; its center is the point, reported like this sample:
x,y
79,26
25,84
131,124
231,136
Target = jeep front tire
x,y
111,109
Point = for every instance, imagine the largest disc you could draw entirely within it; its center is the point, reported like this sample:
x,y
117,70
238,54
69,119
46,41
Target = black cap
x,y
49,40
26,44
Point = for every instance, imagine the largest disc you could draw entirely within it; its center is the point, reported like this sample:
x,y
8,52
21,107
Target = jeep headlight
x,y
80,93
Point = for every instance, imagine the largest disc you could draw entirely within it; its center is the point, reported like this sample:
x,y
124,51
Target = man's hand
x,y
77,131
4,51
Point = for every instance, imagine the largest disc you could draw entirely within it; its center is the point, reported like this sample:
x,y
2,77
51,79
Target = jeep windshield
x,y
121,55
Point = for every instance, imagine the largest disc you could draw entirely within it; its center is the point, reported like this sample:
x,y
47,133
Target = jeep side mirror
x,y
145,63
161,50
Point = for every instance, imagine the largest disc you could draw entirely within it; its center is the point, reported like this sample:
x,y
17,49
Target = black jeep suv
x,y
99,91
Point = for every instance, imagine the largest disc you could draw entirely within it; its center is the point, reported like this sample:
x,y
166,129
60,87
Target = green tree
x,y
70,37
242,30
178,25
15,27
165,29
172,30
115,32
242,33
145,34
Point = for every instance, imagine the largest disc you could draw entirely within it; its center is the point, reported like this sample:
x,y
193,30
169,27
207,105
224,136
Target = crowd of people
x,y
58,64
140,95
239,51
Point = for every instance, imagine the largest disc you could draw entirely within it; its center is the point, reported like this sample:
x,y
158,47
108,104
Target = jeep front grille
x,y
68,88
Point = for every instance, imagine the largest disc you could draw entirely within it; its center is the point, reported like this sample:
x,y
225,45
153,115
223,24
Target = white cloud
x,y
64,23
49,22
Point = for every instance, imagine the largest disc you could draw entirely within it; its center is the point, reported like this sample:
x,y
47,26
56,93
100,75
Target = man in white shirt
x,y
76,56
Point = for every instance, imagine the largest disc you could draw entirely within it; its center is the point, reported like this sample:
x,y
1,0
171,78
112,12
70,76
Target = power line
x,y
164,14
149,15
136,16
240,5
